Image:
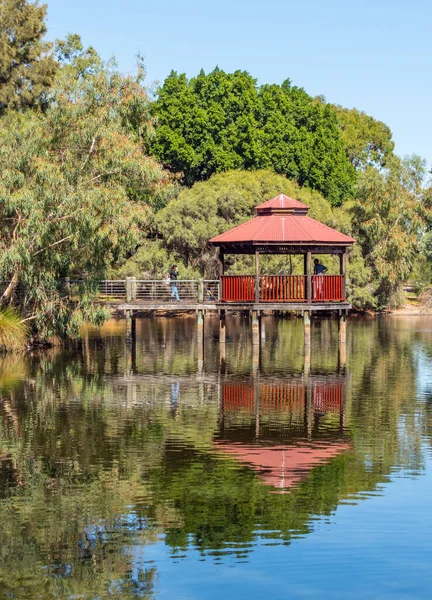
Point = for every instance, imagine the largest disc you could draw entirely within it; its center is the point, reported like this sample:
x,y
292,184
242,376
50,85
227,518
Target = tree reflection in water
x,y
97,459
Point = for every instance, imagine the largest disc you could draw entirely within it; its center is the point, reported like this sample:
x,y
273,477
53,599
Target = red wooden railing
x,y
328,288
283,288
289,396
237,288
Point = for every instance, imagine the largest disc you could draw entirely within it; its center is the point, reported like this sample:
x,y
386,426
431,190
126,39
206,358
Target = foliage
x,y
153,261
76,191
225,200
223,121
27,68
368,142
388,217
13,331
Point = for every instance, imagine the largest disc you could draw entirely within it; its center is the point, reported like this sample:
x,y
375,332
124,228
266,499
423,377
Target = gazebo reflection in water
x,y
284,429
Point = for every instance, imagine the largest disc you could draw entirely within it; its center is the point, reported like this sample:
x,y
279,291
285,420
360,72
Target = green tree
x,y
223,121
188,222
27,68
388,218
76,190
368,142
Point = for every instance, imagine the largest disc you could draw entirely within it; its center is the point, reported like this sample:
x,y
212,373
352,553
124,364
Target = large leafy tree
x,y
76,189
187,223
27,68
389,215
368,142
224,121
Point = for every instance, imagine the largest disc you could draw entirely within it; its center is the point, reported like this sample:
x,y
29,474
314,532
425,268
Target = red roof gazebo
x,y
282,226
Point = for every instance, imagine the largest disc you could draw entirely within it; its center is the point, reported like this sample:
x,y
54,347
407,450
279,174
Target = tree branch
x,y
52,245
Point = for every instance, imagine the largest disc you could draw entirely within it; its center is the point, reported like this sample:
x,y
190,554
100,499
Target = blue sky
x,y
375,55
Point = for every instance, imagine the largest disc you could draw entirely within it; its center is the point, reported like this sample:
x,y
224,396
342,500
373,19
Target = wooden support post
x,y
200,357
307,343
342,271
255,359
256,317
309,277
133,291
128,289
128,349
342,340
221,263
200,326
222,357
200,291
128,316
222,328
257,276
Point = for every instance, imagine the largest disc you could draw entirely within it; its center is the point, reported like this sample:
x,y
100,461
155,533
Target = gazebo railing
x,y
282,288
237,288
328,288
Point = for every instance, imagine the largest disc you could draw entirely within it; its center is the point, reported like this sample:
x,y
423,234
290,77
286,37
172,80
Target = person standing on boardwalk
x,y
173,274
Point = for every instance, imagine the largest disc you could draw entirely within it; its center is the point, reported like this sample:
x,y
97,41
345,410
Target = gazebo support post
x,y
342,339
309,276
307,342
221,263
342,271
257,275
222,329
255,328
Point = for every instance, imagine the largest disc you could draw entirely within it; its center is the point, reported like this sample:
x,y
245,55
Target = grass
x,y
13,331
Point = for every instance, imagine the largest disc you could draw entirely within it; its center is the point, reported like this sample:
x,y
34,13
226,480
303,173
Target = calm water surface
x,y
152,474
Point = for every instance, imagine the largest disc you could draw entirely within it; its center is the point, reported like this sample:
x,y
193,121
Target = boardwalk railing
x,y
150,291
230,288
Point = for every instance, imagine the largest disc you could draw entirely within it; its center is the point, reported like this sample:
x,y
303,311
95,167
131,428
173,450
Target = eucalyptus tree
x,y
77,187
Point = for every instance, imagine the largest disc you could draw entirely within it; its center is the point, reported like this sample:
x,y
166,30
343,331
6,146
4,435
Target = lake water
x,y
156,474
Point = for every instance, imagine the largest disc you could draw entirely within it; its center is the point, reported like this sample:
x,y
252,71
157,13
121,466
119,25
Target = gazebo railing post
x,y
257,274
309,277
342,271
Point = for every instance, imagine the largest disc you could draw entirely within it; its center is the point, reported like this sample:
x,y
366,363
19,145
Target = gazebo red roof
x,y
282,220
283,466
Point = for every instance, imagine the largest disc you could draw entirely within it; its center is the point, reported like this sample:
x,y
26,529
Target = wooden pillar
x,y
309,277
222,328
255,342
307,342
200,340
128,289
129,344
255,328
221,263
200,325
257,275
342,271
128,316
222,358
200,291
342,340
